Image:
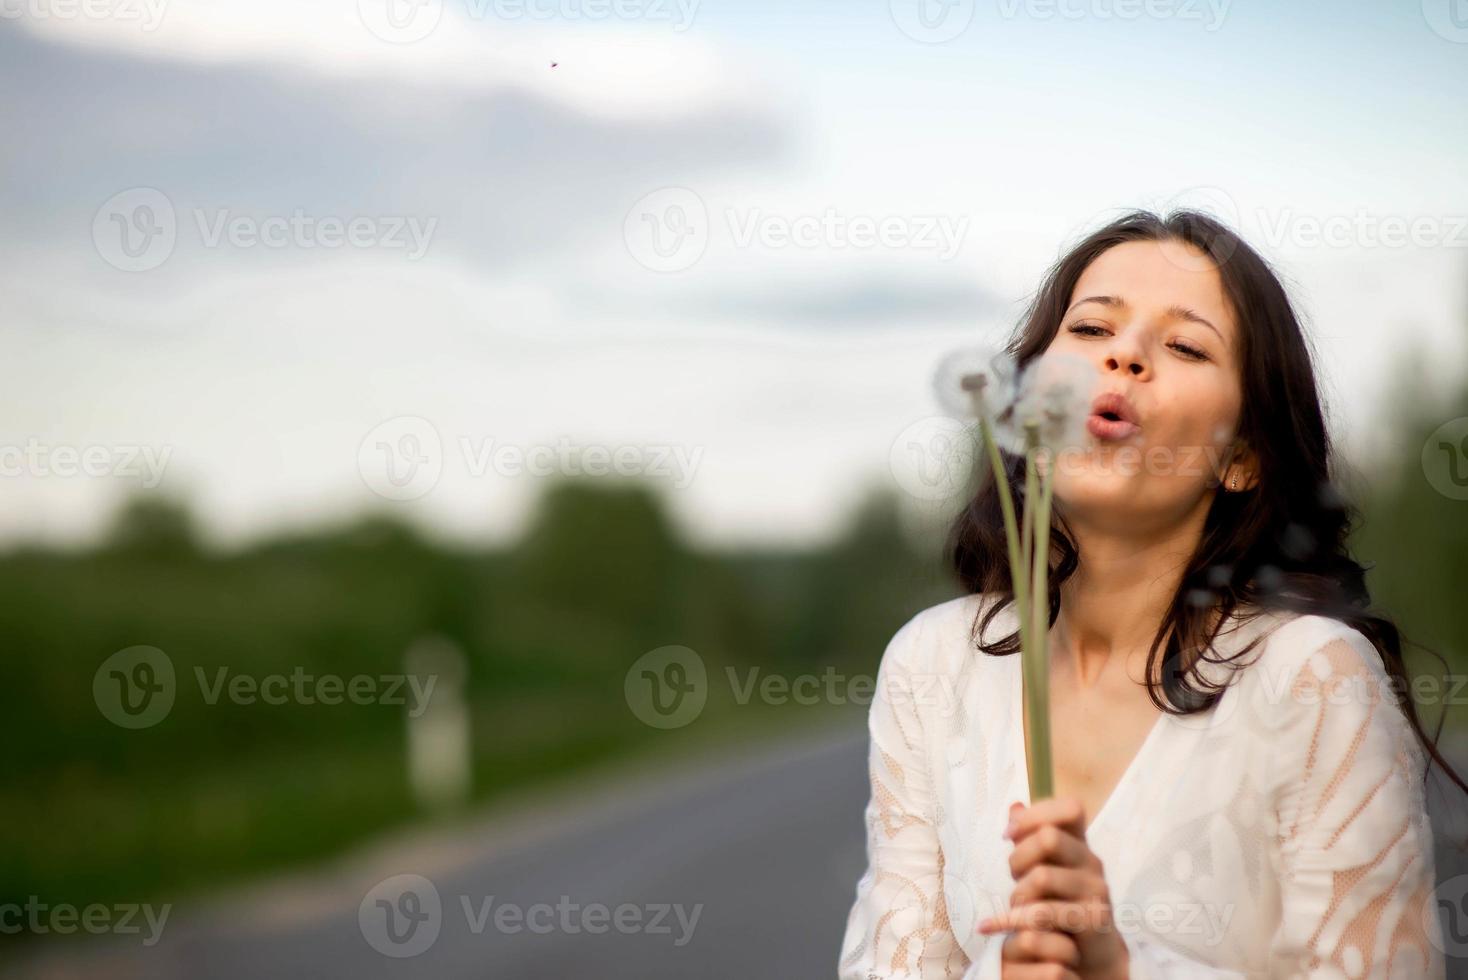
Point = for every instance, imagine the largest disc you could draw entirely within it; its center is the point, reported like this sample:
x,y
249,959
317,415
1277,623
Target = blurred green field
x,y
222,791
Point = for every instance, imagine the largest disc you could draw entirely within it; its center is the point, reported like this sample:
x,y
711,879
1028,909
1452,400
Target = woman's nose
x,y
1126,355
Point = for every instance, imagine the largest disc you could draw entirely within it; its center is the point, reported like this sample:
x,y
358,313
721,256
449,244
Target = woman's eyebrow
x,y
1103,300
1175,311
1183,313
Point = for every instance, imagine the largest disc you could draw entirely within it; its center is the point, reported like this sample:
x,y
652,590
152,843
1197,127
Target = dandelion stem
x,y
1011,529
1042,779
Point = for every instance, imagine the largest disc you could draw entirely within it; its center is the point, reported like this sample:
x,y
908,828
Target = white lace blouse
x,y
1282,833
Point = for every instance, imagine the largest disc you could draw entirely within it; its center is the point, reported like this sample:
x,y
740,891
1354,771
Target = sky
x,y
296,261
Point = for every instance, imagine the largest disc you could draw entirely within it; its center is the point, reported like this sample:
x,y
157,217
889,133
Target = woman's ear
x,y
1241,468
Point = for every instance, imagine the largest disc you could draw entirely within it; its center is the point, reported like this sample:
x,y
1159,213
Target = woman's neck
x,y
1111,607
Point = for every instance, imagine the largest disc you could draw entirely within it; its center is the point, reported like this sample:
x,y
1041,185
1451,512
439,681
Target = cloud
x,y
640,65
510,177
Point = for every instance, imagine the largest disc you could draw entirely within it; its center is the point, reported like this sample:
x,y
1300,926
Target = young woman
x,y
1239,772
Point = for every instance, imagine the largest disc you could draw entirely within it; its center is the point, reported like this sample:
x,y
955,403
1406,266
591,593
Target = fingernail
x,y
984,924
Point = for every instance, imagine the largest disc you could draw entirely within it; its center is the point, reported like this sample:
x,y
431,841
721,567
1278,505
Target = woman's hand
x,y
1060,912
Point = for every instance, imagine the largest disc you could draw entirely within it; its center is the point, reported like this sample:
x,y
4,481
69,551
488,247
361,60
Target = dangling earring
x,y
1235,484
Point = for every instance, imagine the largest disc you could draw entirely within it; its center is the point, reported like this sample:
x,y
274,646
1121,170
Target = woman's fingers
x,y
1049,881
1037,946
1037,971
1064,812
1051,845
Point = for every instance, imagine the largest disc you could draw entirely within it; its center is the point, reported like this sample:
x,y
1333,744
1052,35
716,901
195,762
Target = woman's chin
x,y
1098,494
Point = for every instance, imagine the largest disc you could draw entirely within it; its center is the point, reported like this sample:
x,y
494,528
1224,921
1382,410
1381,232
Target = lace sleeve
x,y
898,926
1354,845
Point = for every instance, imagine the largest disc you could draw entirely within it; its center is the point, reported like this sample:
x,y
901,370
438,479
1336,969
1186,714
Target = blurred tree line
x,y
1414,536
549,627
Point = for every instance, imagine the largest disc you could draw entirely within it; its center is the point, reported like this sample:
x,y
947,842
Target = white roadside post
x,y
439,757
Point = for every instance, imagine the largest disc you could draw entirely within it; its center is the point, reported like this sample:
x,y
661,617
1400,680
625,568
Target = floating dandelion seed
x,y
971,380
1330,496
1201,598
1297,541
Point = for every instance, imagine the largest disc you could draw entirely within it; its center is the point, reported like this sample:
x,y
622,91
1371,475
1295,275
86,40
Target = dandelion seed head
x,y
1055,393
973,378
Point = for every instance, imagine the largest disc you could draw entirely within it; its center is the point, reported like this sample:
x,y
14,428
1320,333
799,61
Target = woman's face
x,y
1154,320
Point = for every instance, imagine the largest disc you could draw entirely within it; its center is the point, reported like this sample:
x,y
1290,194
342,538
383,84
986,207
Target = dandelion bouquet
x,y
1037,414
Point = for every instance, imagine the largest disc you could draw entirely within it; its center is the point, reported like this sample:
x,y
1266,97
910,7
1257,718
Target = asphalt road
x,y
743,866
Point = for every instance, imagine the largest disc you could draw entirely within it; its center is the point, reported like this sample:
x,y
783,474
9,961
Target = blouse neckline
x,y
1123,782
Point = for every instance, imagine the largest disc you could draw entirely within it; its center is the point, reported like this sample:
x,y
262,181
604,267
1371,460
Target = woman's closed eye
x,y
1187,350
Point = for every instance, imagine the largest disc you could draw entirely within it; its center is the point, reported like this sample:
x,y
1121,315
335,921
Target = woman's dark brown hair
x,y
1280,546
